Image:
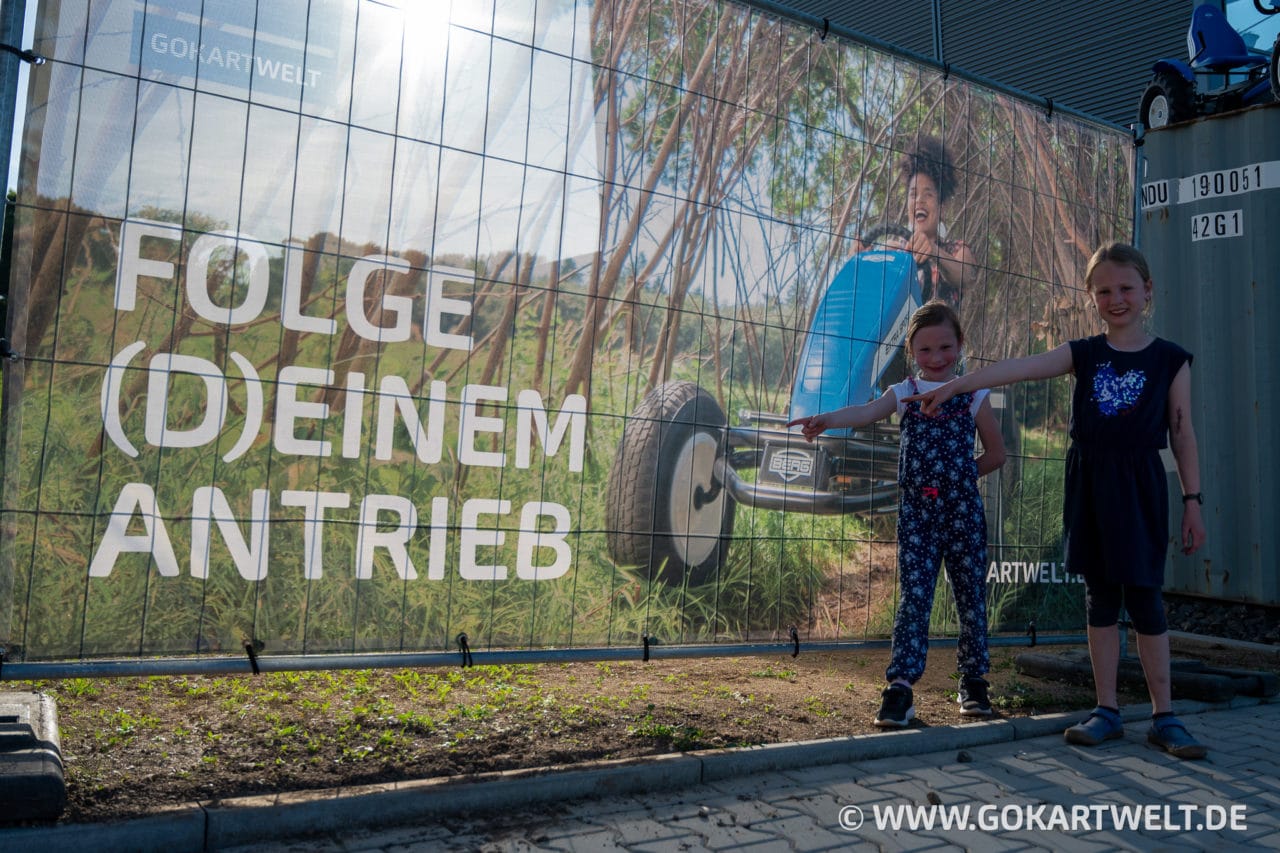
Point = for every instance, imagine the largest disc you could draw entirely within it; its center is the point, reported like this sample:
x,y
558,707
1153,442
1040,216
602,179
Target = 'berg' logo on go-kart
x,y
792,464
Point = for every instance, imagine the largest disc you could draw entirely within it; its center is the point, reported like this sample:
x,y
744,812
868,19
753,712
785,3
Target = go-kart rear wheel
x,y
667,514
1168,100
1274,72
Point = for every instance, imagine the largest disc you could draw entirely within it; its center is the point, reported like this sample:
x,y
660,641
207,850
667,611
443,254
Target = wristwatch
x,y
1194,496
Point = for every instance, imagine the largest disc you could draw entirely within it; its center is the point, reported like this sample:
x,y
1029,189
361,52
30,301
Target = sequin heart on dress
x,y
1116,394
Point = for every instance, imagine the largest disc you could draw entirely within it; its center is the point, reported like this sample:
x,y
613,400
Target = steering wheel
x,y
881,230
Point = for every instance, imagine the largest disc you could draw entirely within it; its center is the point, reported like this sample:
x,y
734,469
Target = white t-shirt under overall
x,y
903,389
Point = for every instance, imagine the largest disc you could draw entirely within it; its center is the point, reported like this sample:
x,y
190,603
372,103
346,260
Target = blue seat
x,y
1214,45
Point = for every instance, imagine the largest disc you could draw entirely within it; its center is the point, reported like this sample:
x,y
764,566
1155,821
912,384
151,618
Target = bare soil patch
x,y
135,746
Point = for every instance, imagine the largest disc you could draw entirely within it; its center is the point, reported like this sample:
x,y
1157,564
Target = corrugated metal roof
x,y
907,25
1093,57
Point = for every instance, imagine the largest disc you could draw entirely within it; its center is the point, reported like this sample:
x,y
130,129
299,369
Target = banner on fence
x,y
353,326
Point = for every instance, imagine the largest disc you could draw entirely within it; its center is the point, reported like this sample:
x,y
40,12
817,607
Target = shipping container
x,y
1208,217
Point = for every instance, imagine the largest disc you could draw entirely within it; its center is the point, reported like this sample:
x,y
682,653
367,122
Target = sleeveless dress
x,y
1116,501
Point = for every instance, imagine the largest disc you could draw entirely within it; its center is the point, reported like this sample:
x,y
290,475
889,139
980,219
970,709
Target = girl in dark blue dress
x,y
1132,398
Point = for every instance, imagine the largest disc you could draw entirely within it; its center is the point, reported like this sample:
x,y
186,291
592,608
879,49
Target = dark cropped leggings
x,y
1145,605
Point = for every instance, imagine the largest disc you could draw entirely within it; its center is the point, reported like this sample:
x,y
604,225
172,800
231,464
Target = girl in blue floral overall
x,y
1132,398
940,514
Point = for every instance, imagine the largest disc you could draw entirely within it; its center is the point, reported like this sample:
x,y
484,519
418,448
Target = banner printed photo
x,y
353,328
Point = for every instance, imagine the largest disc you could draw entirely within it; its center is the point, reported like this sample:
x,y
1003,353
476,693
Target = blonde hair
x,y
935,312
1117,253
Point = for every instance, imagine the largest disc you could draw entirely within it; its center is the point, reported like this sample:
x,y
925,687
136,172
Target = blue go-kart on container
x,y
676,481
1216,52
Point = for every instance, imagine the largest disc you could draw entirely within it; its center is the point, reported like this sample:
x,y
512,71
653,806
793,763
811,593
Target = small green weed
x,y
681,737
81,688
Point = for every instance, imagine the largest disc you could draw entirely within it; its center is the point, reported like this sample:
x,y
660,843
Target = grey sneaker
x,y
897,708
974,701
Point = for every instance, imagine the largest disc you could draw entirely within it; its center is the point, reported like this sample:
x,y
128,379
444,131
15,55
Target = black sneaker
x,y
897,709
973,698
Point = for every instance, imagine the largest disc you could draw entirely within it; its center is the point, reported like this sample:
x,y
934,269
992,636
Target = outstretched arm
x,y
850,416
1182,440
1055,362
958,268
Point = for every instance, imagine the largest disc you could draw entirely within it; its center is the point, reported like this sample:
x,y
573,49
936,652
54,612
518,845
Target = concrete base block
x,y
32,784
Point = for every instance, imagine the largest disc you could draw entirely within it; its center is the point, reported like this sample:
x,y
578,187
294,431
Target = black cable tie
x,y
795,641
1031,631
466,651
7,351
253,656
645,639
25,55
1048,103
946,71
826,28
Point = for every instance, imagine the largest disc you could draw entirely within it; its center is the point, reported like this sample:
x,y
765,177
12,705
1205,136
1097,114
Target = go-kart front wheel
x,y
666,513
1274,69
1168,100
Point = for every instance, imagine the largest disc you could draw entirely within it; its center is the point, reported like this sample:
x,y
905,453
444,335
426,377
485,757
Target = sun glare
x,y
426,26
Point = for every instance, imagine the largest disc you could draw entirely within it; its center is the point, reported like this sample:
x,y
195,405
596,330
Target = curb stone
x,y
182,828
258,819
1205,641
240,821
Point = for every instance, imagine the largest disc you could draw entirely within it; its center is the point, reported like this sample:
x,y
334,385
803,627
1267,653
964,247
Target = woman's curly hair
x,y
928,156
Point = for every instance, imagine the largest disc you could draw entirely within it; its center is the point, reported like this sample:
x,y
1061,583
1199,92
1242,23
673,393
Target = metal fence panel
x,y
352,328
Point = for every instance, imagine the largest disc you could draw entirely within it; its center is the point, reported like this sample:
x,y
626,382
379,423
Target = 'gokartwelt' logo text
x,y
1022,571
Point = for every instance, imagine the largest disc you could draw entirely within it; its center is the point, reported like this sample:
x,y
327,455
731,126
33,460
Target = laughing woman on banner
x,y
947,265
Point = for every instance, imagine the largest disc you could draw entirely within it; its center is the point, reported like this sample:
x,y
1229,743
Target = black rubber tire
x,y
1274,70
1168,100
666,513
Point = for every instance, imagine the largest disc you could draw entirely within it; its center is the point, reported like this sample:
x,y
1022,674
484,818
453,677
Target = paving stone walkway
x,y
1034,793
998,785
